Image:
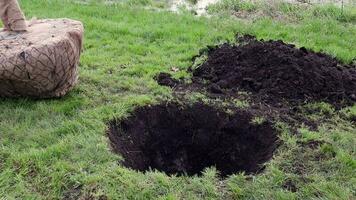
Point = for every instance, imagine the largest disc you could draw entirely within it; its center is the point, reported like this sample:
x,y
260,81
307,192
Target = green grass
x,y
56,149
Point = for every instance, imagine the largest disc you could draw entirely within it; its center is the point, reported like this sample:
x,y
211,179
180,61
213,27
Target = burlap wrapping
x,y
41,62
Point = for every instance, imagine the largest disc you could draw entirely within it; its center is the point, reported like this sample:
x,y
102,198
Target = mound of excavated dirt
x,y
186,139
277,71
41,62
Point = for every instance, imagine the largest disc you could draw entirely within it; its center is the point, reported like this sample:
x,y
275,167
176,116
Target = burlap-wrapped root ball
x,y
41,62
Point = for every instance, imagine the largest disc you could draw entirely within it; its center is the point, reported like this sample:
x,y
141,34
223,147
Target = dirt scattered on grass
x,y
312,144
290,185
278,78
186,139
353,118
277,72
166,80
73,193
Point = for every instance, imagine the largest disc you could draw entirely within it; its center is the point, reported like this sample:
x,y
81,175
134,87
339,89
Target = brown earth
x,y
186,139
278,78
277,72
41,62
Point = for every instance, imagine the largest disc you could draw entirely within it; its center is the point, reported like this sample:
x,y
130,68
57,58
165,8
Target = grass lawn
x,y
58,149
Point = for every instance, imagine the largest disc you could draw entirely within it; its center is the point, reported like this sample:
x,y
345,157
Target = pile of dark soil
x,y
180,139
276,71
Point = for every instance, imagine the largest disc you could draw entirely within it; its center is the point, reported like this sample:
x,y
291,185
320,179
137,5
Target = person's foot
x,y
5,22
18,25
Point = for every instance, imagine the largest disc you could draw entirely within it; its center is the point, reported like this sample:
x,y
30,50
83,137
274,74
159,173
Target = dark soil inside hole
x,y
274,72
180,139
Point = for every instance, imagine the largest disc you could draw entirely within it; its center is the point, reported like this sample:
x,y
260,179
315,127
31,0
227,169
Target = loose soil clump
x,y
166,80
181,139
276,72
